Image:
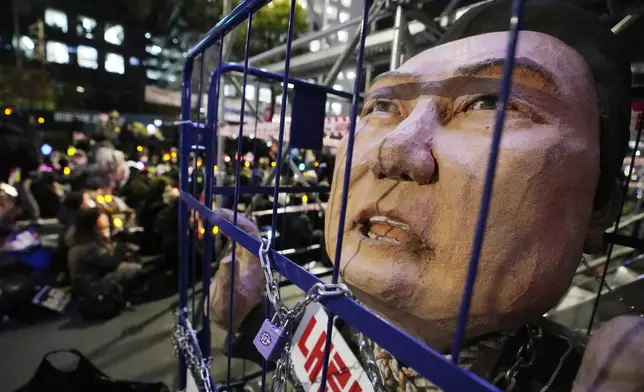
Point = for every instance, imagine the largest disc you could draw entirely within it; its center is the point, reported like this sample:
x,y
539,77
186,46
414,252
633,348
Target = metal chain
x,y
525,358
285,317
184,339
365,349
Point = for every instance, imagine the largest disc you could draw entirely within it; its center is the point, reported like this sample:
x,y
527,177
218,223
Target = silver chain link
x,y
525,358
284,316
184,339
365,347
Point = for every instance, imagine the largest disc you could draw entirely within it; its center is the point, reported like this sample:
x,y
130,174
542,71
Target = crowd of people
x,y
113,196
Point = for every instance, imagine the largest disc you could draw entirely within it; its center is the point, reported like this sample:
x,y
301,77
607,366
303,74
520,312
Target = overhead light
x,y
158,122
151,128
148,35
80,89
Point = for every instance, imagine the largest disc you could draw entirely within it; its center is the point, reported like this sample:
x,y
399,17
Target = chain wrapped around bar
x,y
286,317
184,341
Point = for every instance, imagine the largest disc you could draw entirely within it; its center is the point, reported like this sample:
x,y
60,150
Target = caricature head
x,y
419,162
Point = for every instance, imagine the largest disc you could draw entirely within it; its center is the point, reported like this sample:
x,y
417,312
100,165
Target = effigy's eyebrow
x,y
522,65
529,78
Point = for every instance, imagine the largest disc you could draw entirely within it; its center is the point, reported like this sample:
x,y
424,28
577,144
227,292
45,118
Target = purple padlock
x,y
270,341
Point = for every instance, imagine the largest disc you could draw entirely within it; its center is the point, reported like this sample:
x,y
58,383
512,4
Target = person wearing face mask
x,y
417,174
94,261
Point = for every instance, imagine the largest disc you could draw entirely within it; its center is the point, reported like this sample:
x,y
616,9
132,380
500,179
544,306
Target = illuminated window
x,y
344,16
114,34
314,46
336,108
229,90
114,63
265,95
153,74
26,46
57,52
346,3
87,57
85,27
343,36
332,12
56,19
250,92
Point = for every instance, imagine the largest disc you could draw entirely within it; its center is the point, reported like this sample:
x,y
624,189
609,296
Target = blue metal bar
x,y
280,139
195,174
479,236
229,22
268,190
400,344
212,114
259,73
236,201
345,183
609,252
183,209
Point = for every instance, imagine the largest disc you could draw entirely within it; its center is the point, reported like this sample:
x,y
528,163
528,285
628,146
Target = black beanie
x,y
581,31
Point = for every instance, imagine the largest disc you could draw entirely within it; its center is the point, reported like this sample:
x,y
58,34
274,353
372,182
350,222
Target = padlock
x,y
270,341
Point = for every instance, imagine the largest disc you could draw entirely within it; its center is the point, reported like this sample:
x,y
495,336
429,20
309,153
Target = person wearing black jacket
x,y
93,258
19,152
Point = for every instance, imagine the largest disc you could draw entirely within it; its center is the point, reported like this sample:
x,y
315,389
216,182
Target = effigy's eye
x,y
486,102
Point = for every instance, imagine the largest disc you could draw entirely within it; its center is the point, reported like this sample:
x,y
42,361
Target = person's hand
x,y
249,280
614,358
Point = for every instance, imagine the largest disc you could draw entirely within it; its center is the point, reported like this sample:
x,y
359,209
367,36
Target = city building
x,y
93,63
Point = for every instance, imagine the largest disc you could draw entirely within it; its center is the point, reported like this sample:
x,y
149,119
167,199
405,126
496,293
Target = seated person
x,y
93,257
73,203
417,175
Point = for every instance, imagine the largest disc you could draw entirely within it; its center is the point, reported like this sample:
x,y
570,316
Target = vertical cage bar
x,y
240,138
355,101
196,139
280,140
184,147
212,118
609,252
479,236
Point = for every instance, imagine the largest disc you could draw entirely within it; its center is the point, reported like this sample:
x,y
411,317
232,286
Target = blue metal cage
x,y
199,135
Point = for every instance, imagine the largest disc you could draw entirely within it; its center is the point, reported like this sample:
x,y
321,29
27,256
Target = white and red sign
x,y
345,373
334,129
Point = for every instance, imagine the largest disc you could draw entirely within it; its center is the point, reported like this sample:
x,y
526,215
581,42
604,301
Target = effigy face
x,y
419,163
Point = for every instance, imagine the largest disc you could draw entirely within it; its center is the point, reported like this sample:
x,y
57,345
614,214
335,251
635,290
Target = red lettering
x,y
305,336
339,375
313,364
355,387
